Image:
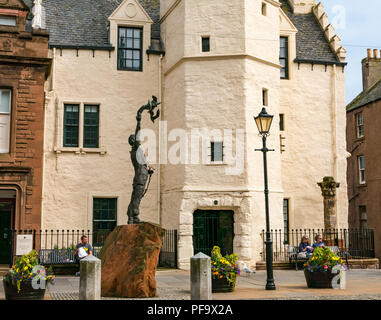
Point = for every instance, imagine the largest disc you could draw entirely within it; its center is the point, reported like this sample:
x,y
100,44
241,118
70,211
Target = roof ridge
x,y
362,94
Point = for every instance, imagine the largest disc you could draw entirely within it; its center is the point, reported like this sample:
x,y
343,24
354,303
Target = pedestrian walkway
x,y
291,285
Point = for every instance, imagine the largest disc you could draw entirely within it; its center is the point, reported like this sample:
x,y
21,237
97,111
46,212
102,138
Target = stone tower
x,y
221,67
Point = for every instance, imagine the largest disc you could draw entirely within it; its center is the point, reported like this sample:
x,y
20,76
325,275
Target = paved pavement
x,y
291,285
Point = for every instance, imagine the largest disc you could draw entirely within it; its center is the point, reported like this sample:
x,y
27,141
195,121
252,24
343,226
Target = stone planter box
x,y
325,279
26,291
222,285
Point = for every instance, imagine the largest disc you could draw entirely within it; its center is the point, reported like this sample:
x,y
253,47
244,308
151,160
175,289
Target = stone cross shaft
x,y
328,189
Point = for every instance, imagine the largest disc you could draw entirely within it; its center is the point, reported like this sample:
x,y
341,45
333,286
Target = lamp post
x,y
263,121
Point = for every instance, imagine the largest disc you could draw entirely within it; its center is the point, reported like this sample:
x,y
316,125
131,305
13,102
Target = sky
x,y
359,27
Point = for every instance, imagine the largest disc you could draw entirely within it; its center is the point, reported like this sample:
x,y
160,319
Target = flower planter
x,y
26,291
324,279
222,285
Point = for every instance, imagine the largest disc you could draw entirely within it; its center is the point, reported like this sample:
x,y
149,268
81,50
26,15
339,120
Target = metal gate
x,y
213,228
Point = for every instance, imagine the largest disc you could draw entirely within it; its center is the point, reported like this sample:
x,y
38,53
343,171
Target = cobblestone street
x,y
291,285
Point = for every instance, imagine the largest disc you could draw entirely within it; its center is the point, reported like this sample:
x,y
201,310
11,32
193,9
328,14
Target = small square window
x,y
205,44
217,153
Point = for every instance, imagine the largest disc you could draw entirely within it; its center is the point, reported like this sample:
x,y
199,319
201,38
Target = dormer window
x,y
130,49
8,21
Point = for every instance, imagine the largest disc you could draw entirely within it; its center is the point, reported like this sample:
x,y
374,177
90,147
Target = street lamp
x,y
263,121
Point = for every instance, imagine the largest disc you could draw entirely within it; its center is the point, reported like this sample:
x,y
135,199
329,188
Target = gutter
x,y
312,61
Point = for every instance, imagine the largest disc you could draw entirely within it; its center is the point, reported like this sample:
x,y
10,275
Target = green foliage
x,y
24,269
323,259
224,267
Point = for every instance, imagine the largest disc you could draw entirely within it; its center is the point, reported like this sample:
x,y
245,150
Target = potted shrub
x,y
224,271
26,280
325,270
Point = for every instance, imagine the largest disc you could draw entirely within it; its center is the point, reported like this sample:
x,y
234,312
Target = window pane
x,y
129,63
5,101
136,64
137,43
217,151
4,132
129,43
129,33
7,21
137,33
91,127
136,55
71,125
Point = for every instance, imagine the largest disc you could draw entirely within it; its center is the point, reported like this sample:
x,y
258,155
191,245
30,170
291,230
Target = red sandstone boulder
x,y
129,261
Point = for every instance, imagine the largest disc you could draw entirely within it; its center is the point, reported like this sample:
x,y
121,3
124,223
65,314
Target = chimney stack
x,y
371,68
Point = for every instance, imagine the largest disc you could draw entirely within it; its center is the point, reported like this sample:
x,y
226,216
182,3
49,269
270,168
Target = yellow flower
x,y
25,268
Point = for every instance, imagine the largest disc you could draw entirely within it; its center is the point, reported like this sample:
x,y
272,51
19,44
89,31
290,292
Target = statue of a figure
x,y
143,173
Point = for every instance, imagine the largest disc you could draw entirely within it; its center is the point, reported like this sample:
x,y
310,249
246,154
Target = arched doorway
x,y
213,228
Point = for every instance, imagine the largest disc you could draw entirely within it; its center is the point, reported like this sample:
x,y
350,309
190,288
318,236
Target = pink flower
x,y
325,267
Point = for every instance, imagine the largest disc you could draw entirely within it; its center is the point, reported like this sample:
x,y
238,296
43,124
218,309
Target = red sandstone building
x,y
363,140
24,66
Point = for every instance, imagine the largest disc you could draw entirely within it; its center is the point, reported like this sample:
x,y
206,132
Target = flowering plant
x,y
324,259
26,268
224,267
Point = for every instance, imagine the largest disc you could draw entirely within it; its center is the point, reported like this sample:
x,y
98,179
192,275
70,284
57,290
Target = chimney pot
x,y
369,53
375,53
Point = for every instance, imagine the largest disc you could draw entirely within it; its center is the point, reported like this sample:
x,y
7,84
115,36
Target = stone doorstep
x,y
353,264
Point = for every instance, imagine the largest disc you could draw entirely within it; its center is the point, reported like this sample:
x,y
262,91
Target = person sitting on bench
x,y
83,249
318,242
305,249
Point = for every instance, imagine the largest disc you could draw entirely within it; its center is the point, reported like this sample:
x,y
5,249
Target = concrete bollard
x,y
90,278
201,277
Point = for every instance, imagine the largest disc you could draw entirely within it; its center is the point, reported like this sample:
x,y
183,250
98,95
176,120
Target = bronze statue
x,y
143,172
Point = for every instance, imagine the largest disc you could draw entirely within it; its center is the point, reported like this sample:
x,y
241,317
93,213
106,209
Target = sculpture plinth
x,y
129,260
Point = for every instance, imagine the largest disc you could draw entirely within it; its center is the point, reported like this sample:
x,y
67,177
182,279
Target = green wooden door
x,y
213,228
6,209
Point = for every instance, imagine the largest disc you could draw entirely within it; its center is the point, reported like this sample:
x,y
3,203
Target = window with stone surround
x,y
361,162
91,127
359,125
5,119
71,126
205,44
283,57
130,53
104,218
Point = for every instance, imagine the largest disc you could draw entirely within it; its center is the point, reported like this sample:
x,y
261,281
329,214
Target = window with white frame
x,y
361,161
74,124
5,119
359,125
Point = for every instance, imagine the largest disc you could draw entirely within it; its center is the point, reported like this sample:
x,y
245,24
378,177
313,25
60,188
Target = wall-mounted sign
x,y
24,244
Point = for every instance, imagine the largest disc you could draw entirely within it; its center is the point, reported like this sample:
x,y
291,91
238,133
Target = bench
x,y
60,257
294,258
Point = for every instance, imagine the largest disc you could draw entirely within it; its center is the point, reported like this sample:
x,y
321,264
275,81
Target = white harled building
x,y
214,65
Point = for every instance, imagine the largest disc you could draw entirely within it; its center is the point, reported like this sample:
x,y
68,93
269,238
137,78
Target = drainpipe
x,y
159,155
334,134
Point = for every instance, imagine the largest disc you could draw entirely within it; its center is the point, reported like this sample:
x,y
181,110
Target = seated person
x,y
318,242
83,249
305,249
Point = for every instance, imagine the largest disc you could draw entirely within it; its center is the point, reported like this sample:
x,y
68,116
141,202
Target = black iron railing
x,y
357,243
58,246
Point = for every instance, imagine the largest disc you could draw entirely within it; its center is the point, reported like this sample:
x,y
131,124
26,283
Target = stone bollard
x,y
90,278
201,277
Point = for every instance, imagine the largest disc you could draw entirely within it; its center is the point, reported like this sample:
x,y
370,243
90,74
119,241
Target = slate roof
x,y
367,96
311,43
83,23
